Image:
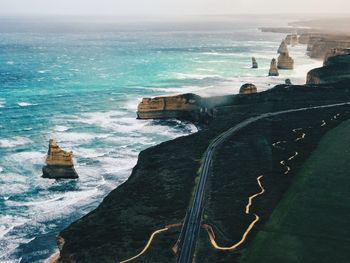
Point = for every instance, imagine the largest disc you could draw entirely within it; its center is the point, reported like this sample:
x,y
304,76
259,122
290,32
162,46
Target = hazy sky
x,y
172,7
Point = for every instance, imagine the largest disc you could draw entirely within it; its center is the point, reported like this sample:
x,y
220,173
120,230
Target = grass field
x,y
312,221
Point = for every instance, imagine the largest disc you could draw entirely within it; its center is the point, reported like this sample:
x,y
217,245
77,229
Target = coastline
x,y
140,165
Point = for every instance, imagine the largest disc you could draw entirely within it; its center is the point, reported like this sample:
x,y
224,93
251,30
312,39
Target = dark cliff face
x,y
161,185
156,194
160,188
336,68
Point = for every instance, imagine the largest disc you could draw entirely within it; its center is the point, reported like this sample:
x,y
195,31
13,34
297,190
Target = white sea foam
x,y
77,137
9,222
185,76
43,71
2,103
26,104
14,142
61,128
89,153
26,161
108,119
12,184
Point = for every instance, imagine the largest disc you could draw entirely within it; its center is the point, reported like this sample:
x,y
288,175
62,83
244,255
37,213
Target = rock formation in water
x,y
186,106
59,163
292,39
284,60
288,82
254,63
248,88
273,68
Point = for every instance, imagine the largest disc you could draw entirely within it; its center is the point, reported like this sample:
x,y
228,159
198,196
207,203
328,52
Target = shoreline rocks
x,y
336,68
185,106
273,68
248,88
284,60
59,163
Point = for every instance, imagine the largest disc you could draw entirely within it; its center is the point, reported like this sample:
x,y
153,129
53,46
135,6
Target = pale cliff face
x,y
167,103
284,60
57,156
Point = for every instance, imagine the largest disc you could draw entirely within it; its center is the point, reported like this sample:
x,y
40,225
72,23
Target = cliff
x,y
159,189
336,52
336,68
186,106
320,46
59,163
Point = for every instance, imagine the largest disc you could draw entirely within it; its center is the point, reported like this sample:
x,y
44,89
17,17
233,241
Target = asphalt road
x,y
189,233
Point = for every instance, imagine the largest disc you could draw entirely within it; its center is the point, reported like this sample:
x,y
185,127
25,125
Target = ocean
x,y
81,83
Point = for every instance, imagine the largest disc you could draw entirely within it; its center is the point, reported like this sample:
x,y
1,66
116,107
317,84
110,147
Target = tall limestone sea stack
x,y
59,163
284,60
273,68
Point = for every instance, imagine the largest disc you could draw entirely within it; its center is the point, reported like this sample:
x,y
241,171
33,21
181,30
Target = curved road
x,y
188,238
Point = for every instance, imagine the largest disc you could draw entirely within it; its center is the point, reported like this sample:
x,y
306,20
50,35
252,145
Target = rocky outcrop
x,y
254,63
186,106
336,68
273,68
248,88
288,82
320,46
284,60
292,39
336,52
59,163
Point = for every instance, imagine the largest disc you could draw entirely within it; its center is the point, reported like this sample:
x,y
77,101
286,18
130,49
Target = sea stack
x,y
254,63
273,68
288,82
59,163
284,60
248,88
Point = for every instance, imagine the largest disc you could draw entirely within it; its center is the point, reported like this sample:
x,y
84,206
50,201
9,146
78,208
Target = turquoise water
x,y
82,88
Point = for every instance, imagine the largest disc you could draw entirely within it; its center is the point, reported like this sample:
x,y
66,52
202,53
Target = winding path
x,y
188,238
211,233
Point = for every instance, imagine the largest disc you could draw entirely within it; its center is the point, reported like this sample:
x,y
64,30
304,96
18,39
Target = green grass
x,y
312,221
